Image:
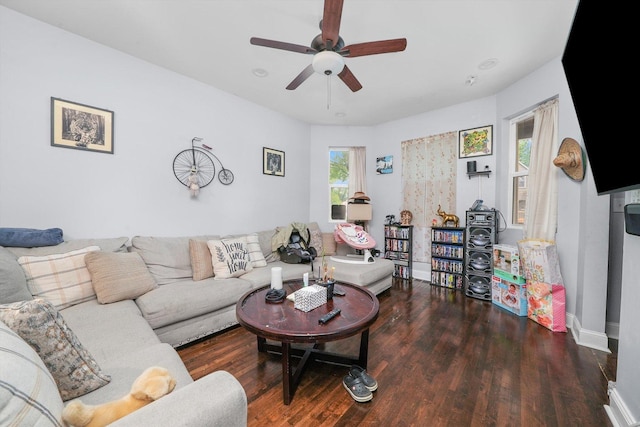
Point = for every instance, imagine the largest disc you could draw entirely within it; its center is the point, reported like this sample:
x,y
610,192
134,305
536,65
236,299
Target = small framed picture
x,y
272,162
81,126
475,142
384,165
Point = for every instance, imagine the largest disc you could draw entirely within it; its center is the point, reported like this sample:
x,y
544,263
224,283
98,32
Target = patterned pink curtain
x,y
429,173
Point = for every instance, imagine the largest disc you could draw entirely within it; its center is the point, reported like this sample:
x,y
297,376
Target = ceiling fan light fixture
x,y
327,62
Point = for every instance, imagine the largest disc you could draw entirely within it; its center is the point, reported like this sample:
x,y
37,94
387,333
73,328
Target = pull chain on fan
x,y
328,90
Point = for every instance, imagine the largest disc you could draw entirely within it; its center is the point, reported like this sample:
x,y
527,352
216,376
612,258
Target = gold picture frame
x,y
272,162
81,127
475,142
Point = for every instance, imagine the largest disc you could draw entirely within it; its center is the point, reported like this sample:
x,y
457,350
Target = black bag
x,y
297,250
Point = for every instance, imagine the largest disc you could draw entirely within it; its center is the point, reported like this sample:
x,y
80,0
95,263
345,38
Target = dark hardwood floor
x,y
440,359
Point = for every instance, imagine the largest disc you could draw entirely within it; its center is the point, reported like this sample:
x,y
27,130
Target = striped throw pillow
x,y
28,393
62,279
255,252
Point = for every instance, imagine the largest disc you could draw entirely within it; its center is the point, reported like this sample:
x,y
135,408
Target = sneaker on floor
x,y
357,389
368,381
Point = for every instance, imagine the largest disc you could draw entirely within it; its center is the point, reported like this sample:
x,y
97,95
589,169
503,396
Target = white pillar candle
x,y
276,277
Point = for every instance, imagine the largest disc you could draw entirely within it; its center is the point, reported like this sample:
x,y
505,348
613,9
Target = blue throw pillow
x,y
30,237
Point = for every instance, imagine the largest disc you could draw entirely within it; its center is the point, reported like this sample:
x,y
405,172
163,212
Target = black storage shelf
x,y
398,247
448,257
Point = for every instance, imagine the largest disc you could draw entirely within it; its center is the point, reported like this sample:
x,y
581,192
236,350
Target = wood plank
x,y
440,359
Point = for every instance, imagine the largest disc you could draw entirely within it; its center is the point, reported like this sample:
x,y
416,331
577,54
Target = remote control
x,y
330,315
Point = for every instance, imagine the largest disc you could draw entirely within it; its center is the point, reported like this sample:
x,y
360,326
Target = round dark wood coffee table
x,y
283,323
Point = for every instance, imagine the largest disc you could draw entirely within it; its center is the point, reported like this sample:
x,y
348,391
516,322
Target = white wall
x,y
385,190
625,397
583,217
157,113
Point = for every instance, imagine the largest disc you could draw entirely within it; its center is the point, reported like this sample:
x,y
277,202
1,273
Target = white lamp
x,y
327,62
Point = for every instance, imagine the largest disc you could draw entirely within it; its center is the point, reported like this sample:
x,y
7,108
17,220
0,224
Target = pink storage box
x,y
509,295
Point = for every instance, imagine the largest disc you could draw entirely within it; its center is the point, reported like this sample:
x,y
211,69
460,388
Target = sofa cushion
x,y
160,307
111,244
264,237
230,257
62,279
28,393
118,276
13,283
255,251
167,258
360,274
261,276
72,366
125,368
30,237
106,326
200,255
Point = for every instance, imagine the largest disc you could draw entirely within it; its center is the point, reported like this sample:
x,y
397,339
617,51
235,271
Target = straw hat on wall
x,y
571,159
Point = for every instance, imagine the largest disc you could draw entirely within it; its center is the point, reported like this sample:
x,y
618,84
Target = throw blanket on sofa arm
x,y
281,238
30,237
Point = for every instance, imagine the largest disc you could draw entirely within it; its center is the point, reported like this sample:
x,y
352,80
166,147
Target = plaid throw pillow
x,y
61,279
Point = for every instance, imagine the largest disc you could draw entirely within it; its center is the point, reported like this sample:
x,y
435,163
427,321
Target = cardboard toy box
x,y
509,295
506,263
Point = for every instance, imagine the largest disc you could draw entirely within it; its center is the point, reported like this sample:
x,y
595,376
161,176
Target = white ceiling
x,y
447,40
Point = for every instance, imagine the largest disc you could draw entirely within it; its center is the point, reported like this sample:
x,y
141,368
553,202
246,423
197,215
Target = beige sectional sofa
x,y
151,297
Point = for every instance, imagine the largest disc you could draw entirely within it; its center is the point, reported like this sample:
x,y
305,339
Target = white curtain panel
x,y
541,212
429,175
357,170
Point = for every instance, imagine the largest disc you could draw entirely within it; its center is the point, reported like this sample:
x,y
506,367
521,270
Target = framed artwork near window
x,y
475,142
80,126
384,165
272,162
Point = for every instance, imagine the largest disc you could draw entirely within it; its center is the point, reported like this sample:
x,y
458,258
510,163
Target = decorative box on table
x,y
310,297
506,263
509,295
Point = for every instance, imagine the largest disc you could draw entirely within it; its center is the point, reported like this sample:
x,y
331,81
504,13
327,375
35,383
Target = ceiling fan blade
x,y
304,75
349,79
373,48
331,22
282,45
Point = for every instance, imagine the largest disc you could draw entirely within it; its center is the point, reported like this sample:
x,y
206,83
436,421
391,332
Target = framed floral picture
x,y
272,162
81,126
475,142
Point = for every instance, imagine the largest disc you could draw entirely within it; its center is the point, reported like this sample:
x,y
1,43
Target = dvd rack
x,y
398,247
447,257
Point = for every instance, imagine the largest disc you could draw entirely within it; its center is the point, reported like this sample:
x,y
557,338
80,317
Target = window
x,y
521,134
338,183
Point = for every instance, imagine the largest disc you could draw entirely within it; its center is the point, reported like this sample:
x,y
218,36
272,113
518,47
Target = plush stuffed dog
x,y
154,383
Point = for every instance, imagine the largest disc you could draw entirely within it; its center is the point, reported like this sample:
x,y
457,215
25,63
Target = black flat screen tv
x,y
598,62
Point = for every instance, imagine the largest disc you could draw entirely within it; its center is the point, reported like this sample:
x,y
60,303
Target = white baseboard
x,y
587,338
421,275
617,410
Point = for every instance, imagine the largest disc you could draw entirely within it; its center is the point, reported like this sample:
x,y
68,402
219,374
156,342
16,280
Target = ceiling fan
x,y
329,50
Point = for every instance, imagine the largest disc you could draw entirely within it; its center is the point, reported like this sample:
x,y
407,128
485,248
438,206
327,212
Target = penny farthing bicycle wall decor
x,y
195,168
